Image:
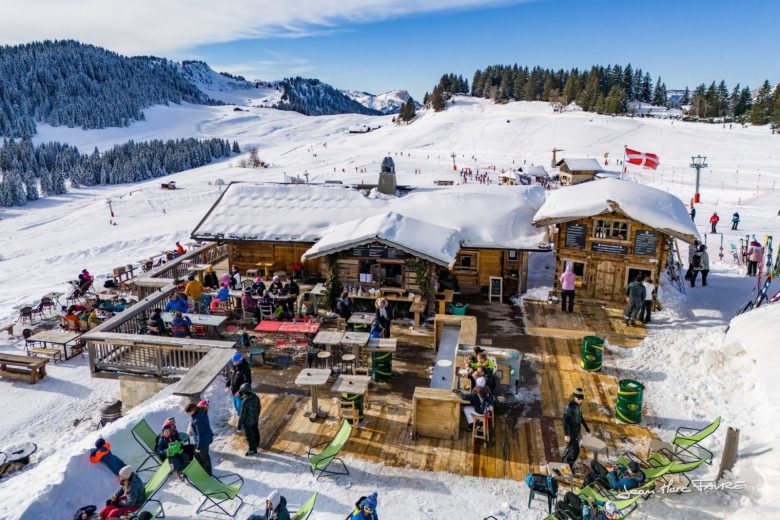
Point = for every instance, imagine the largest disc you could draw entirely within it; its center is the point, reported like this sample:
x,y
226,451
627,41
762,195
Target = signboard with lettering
x,y
614,249
377,250
645,243
575,236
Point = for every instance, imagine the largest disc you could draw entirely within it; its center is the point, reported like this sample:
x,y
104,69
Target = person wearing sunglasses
x,y
365,509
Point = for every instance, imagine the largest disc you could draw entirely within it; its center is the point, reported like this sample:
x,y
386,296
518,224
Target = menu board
x,y
377,250
496,288
645,243
614,249
575,236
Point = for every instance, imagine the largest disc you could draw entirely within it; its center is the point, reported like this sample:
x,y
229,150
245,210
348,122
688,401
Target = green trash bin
x,y
629,401
381,366
592,353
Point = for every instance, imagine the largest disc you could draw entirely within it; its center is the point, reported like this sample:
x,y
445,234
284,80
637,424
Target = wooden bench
x,y
8,327
52,353
22,367
200,376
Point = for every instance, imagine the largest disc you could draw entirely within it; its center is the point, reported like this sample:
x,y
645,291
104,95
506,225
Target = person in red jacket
x,y
714,219
179,248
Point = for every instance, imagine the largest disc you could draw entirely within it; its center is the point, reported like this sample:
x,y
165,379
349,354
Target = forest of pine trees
x,y
29,171
408,111
66,83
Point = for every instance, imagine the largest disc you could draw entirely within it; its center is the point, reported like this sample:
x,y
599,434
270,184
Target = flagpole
x,y
623,169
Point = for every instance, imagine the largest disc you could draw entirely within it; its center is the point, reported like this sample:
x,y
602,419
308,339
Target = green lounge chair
x,y
321,461
305,510
152,486
684,443
665,457
147,439
626,506
651,474
214,490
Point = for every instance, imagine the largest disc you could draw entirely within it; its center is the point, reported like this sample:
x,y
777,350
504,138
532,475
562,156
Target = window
x,y
611,229
633,272
467,262
512,254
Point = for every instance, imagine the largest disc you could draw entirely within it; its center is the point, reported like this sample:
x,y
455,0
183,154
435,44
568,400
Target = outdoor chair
x,y
25,314
199,330
651,476
319,463
214,489
664,457
305,510
683,444
267,312
147,439
153,485
625,506
47,303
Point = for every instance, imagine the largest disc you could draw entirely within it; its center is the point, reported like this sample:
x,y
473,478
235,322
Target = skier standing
x,y
714,219
573,421
636,298
754,255
701,264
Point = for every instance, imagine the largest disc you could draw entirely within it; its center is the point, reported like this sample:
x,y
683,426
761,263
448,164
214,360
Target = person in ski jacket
x,y
693,213
384,315
479,403
573,422
239,374
714,219
180,325
249,417
177,303
128,498
647,304
102,453
701,264
365,509
193,289
636,297
171,447
210,279
200,434
734,221
235,278
622,478
275,508
755,254
567,288
179,249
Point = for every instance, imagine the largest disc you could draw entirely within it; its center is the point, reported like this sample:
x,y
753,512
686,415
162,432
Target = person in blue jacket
x,y
365,509
176,303
623,478
170,447
180,325
200,434
102,453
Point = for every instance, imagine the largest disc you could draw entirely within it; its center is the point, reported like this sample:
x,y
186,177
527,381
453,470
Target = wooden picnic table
x,y
56,337
361,318
23,367
314,377
268,326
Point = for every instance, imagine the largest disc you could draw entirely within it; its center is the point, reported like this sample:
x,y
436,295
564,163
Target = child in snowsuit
x,y
102,453
365,509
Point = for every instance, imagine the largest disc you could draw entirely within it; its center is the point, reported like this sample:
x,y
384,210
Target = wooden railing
x,y
160,276
165,358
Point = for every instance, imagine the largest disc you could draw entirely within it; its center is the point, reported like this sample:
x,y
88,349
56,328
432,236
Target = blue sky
x,y
378,45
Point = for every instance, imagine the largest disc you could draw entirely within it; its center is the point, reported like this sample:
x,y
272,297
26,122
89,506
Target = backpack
x,y
696,260
542,483
571,506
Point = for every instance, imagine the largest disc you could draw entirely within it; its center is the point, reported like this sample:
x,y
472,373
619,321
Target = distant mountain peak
x,y
388,103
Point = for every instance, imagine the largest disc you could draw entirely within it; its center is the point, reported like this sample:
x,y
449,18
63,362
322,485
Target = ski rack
x,y
674,269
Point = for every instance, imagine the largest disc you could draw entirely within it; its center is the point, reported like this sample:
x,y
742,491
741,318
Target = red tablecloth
x,y
269,326
299,327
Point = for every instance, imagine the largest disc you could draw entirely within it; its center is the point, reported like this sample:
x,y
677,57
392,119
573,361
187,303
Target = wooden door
x,y
604,288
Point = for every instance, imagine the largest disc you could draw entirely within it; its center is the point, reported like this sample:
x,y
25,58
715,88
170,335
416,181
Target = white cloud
x,y
169,27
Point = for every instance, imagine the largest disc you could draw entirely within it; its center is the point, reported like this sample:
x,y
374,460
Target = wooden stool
x,y
323,359
480,429
348,360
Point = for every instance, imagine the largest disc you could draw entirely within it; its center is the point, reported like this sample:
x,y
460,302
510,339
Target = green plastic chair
x,y
147,439
684,443
625,506
658,459
305,510
214,490
152,486
321,461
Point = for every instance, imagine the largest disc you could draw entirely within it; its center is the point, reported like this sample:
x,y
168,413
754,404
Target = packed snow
x,y
693,370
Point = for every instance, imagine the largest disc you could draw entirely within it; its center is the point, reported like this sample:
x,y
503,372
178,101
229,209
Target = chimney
x,y
387,184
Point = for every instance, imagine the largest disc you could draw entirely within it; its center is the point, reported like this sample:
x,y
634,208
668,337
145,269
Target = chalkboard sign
x,y
645,243
575,236
496,288
377,250
613,249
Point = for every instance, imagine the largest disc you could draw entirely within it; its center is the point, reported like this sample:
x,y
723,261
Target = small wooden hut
x,y
575,171
613,231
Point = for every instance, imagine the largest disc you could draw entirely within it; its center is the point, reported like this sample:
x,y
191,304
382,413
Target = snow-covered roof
x,y
536,171
430,241
655,208
576,165
484,216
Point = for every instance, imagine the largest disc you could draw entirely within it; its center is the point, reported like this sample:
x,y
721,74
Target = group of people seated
x,y
480,370
82,317
382,310
281,298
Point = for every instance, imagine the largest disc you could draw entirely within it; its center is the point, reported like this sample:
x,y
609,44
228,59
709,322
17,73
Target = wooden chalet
x,y
269,227
612,231
575,171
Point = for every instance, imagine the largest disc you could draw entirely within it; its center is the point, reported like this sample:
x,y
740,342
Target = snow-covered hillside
x,y
387,103
692,375
230,90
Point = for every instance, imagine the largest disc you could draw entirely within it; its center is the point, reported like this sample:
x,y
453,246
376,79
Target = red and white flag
x,y
648,160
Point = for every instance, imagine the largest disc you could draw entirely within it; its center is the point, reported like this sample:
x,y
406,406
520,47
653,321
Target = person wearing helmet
x,y
239,373
249,417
